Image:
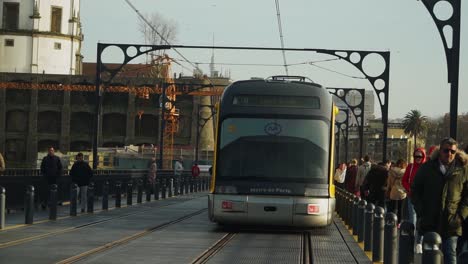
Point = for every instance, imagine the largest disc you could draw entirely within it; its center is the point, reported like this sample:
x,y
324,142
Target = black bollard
x,y
156,189
338,202
191,184
355,214
163,188
105,196
149,187
181,185
2,207
140,191
431,248
406,243
378,235
349,207
118,195
53,202
169,184
391,236
129,193
73,199
360,220
368,226
90,198
29,205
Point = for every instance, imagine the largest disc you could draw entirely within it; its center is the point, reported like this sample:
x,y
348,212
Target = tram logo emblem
x,y
273,129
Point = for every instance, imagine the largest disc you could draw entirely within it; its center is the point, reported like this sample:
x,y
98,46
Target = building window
x,y
9,42
10,16
57,45
56,20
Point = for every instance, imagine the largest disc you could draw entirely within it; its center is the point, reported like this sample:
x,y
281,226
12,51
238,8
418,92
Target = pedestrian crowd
x,y
431,192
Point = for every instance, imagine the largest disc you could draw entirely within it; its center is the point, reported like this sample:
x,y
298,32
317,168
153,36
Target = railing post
x,y
406,243
29,205
90,198
431,248
129,193
391,236
118,194
105,196
164,187
354,220
53,202
361,220
2,207
140,191
73,199
369,225
156,187
378,235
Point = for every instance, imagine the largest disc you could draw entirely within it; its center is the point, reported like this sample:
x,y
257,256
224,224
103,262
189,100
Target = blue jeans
x,y
411,212
449,248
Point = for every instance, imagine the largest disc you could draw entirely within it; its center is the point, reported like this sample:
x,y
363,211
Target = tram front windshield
x,y
282,150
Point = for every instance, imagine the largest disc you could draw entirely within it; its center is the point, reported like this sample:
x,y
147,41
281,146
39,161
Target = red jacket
x,y
411,171
195,171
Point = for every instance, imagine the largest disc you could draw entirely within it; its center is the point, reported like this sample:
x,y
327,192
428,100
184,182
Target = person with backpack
x,y
396,193
362,173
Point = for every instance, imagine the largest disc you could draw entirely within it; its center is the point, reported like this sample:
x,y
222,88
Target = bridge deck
x,y
175,230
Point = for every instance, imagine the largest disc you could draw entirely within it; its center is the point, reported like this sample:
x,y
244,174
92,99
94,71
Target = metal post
x,y
53,202
378,235
349,209
140,191
187,184
361,217
369,227
90,198
163,186
156,187
198,135
191,184
73,199
105,196
2,207
391,236
181,185
431,248
355,221
406,243
346,146
338,139
98,107
169,184
148,189
29,205
163,126
118,195
129,193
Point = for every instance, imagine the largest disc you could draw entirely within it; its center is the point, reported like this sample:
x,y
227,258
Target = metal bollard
x,y
354,220
406,243
361,227
53,202
349,210
170,182
391,236
73,199
148,189
163,187
90,198
105,196
431,248
29,205
181,185
187,184
378,235
140,191
118,195
156,188
2,207
129,193
368,226
191,184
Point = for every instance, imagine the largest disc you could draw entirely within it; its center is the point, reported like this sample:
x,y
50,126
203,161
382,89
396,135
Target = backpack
x,y
339,175
397,192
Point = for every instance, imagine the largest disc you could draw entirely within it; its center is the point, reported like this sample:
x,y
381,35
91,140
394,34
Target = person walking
x,y
51,170
195,170
374,184
340,175
362,173
2,164
178,170
152,171
81,174
440,198
396,193
350,178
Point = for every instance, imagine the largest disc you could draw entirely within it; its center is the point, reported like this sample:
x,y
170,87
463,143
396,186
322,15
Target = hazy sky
x,y
418,72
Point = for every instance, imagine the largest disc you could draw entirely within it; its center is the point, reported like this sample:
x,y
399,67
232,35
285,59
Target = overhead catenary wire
x,y
278,17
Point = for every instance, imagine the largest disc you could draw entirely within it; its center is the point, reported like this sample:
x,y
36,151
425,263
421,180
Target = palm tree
x,y
414,124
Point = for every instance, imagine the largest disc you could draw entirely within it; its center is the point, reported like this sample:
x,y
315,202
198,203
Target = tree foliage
x,y
415,124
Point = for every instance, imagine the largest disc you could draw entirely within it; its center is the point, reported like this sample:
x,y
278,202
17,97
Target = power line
x,y
337,72
278,16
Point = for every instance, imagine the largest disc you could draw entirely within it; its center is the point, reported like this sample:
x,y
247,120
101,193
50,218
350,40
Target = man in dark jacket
x,y
439,194
374,183
51,169
81,174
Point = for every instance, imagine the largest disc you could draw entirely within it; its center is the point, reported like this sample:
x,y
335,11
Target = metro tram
x,y
274,152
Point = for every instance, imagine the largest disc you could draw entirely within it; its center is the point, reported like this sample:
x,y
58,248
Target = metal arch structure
x,y
379,81
452,52
359,116
345,132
